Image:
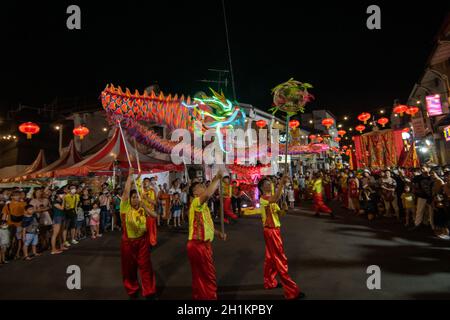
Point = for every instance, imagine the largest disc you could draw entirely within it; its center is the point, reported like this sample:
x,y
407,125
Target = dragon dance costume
x,y
319,205
199,249
135,251
275,262
151,222
227,207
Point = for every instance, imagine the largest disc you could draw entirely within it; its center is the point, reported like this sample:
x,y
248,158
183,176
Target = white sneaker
x,y
74,242
67,244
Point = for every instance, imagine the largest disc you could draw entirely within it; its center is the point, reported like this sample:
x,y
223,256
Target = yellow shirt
x,y
135,220
71,201
408,200
269,213
201,226
317,186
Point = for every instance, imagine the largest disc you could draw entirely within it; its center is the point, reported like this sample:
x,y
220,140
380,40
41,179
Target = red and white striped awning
x,y
102,162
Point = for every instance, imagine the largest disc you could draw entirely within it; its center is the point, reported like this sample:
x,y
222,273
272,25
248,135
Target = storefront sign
x,y
434,106
447,133
419,127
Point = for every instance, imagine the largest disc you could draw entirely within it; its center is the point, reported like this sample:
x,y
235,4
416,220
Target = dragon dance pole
x,y
128,157
137,156
222,223
286,144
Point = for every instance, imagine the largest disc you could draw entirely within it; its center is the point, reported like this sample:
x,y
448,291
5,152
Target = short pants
x,y
176,213
80,223
58,220
71,221
31,238
4,238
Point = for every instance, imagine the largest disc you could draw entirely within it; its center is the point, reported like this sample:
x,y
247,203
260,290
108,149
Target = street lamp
x,y
60,129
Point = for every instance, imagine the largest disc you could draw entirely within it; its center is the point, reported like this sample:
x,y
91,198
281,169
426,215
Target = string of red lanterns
x,y
383,121
327,122
81,131
294,124
360,128
261,124
364,117
29,128
400,109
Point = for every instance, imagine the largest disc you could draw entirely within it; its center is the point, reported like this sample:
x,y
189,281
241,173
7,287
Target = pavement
x,y
327,257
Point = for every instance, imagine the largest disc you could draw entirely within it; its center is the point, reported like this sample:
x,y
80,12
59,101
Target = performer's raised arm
x,y
209,191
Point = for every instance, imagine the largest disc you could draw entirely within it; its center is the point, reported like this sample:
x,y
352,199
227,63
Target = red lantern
x,y
312,137
81,131
327,122
345,147
337,139
383,121
294,124
260,124
342,133
412,111
400,109
364,117
29,128
319,139
360,128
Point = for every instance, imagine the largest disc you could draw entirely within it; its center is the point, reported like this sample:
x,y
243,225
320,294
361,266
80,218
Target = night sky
x,y
133,44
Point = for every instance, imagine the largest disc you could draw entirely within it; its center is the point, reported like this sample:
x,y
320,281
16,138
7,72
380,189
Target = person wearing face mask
x,y
71,202
13,213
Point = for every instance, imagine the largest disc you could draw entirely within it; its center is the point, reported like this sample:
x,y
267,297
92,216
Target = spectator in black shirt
x,y
423,186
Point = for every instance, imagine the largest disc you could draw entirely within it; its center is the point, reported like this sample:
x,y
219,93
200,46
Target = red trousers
x,y
152,230
228,208
204,285
275,263
319,205
135,256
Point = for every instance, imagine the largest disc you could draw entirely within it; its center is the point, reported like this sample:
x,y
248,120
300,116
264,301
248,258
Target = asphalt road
x,y
327,257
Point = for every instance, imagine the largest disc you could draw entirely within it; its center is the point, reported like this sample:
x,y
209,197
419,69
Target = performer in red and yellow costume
x,y
275,262
135,244
201,235
227,207
319,205
149,196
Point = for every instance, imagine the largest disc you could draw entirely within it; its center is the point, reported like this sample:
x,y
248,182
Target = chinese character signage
x,y
434,106
447,133
419,127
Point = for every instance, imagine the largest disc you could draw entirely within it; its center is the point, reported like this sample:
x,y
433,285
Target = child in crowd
x,y
94,222
30,232
177,206
291,196
81,223
4,241
13,212
408,201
